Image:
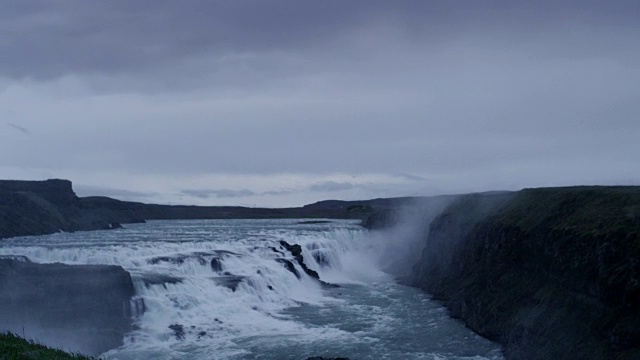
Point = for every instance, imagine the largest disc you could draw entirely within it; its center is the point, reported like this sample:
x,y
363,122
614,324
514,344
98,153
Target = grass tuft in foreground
x,y
13,347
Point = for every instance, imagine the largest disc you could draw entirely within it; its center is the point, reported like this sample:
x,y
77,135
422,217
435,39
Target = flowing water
x,y
228,289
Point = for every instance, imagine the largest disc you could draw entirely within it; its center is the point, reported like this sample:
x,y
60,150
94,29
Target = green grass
x,y
586,211
13,347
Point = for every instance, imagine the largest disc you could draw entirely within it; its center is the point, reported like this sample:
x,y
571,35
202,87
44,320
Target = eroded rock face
x,y
46,207
216,264
549,273
84,308
289,266
296,251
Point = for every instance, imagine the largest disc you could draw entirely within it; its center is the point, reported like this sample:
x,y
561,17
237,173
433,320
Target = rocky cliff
x,y
45,207
83,308
549,273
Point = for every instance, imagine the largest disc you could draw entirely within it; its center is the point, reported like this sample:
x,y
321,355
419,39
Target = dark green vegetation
x,y
549,273
45,207
85,308
13,347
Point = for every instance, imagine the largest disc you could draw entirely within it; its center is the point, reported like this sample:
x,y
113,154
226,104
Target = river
x,y
228,289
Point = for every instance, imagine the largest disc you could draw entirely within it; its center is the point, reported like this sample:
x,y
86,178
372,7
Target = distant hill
x,y
377,203
45,207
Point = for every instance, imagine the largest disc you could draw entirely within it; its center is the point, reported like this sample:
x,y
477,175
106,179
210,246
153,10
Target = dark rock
x,y
276,250
313,222
289,266
216,264
115,225
270,287
296,251
548,273
46,207
176,259
85,308
178,331
55,191
200,257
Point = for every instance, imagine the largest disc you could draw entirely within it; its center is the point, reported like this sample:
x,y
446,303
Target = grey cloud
x,y
48,39
279,192
223,193
227,193
411,177
19,128
329,186
471,95
64,37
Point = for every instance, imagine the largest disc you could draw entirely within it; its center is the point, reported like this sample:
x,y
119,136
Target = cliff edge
x,y
82,308
549,273
46,207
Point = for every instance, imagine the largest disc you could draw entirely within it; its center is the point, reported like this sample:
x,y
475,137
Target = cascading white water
x,y
229,289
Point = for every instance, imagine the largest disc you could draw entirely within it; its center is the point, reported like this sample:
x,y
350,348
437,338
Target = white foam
x,y
170,263
204,307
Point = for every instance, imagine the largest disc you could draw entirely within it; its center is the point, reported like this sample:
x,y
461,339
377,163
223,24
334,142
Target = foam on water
x,y
223,289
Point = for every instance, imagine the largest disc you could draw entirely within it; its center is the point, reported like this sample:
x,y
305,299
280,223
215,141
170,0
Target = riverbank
x,y
13,347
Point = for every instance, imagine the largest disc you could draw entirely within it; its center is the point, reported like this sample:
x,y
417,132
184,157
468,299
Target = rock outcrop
x,y
45,207
296,251
81,308
549,273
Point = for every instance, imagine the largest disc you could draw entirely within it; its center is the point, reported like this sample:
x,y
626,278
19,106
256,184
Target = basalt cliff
x,y
45,207
85,308
551,273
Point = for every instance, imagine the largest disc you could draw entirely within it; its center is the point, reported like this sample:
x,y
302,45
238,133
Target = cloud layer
x,y
286,102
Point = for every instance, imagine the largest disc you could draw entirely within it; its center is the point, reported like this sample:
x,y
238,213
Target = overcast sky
x,y
278,103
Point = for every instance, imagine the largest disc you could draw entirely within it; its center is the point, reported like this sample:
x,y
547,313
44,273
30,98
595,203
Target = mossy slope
x,y
13,347
549,273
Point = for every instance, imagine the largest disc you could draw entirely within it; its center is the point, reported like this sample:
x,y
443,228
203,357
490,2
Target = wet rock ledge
x,y
81,308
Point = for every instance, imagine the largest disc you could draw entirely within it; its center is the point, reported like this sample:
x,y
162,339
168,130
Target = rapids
x,y
228,289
